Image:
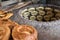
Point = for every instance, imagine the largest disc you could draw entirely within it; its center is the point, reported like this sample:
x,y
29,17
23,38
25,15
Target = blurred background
x,y
7,2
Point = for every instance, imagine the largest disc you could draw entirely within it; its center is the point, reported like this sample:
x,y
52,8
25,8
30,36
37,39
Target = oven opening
x,y
4,0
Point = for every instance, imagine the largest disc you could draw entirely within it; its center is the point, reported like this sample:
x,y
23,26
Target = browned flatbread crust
x,y
4,32
5,15
8,22
24,32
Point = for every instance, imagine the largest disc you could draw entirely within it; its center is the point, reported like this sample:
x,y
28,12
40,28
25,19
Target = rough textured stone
x,y
46,30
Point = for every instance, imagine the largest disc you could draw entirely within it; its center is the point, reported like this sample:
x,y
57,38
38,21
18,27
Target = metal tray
x,y
46,30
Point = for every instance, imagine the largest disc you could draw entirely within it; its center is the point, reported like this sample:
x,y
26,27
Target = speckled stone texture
x,y
46,30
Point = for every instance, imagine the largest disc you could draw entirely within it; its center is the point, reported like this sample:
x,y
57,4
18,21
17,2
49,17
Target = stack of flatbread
x,y
5,15
12,29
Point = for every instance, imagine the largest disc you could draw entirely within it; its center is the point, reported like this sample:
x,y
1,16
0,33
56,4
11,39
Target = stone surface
x,y
46,30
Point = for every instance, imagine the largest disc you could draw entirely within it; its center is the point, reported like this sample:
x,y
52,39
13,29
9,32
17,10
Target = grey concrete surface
x,y
46,30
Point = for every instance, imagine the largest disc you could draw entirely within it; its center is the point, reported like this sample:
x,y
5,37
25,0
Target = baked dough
x,y
5,15
8,22
24,32
4,32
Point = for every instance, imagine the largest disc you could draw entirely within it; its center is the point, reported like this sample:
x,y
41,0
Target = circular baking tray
x,y
46,30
